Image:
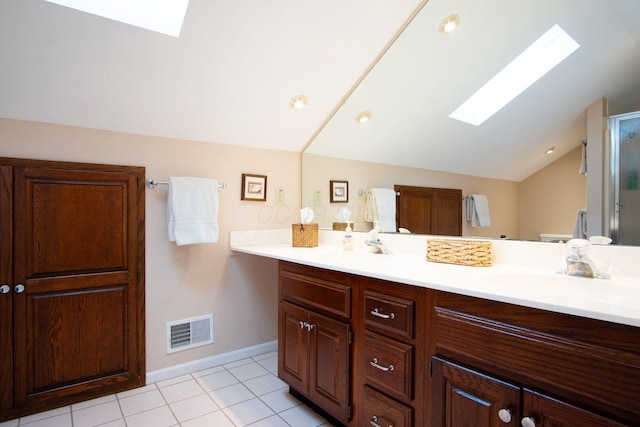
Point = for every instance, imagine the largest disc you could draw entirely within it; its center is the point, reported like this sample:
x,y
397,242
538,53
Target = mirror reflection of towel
x,y
580,229
478,210
381,206
192,210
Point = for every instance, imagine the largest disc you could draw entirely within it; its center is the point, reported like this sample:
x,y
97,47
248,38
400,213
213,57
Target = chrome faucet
x,y
376,246
578,263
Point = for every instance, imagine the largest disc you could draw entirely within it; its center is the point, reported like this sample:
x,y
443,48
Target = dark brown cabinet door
x,y
426,210
6,290
79,320
329,365
543,411
465,398
293,343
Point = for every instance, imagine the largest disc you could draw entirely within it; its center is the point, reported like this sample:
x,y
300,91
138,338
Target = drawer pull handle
x,y
375,364
374,422
504,415
377,313
303,324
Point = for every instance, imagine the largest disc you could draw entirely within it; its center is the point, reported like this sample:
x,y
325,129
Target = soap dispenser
x,y
347,239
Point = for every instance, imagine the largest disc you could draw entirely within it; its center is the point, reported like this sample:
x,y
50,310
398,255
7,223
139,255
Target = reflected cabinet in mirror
x,y
426,74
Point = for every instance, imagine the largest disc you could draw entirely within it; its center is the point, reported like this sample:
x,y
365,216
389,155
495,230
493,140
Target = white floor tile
x,y
231,395
46,414
97,414
180,391
116,423
270,364
248,371
248,412
274,421
237,363
142,402
10,423
216,381
92,402
208,371
158,417
263,356
174,380
264,384
139,390
280,400
62,420
214,419
302,416
193,407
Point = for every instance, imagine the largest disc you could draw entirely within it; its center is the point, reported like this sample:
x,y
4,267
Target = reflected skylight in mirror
x,y
534,62
162,16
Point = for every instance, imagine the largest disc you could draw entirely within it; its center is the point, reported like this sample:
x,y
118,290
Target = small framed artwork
x,y
339,191
254,187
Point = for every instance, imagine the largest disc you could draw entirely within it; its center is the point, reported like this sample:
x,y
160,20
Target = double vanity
x,y
393,340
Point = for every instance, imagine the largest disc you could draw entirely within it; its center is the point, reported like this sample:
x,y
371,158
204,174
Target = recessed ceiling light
x,y
298,102
449,24
162,16
363,117
550,150
534,62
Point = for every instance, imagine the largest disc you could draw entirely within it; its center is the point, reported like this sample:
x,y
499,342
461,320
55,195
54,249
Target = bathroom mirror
x,y
425,75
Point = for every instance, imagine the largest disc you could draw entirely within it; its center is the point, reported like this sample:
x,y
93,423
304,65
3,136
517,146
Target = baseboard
x,y
210,362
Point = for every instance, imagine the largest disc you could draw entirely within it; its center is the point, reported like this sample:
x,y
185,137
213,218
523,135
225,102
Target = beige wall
x,y
181,282
319,170
551,198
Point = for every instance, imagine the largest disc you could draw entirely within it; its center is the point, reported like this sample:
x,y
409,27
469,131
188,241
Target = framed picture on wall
x,y
254,187
339,191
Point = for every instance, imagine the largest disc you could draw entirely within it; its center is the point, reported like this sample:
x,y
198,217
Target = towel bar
x,y
153,183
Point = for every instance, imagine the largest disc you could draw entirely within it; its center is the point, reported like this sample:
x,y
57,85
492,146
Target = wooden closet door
x,y
79,321
6,294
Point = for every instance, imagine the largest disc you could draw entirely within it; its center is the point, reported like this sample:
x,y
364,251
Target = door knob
x,y
528,422
504,415
19,288
4,289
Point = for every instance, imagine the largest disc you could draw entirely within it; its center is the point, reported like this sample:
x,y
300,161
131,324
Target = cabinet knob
x,y
310,327
377,313
504,415
19,288
4,289
528,422
374,422
303,324
375,364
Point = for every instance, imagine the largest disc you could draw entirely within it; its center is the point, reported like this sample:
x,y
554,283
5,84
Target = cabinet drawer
x,y
388,313
380,410
388,364
317,292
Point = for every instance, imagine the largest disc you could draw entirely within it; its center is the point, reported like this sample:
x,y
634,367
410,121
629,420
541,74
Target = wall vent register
x,y
189,333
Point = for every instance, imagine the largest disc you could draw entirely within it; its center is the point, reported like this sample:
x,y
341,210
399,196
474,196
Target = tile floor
x,y
242,393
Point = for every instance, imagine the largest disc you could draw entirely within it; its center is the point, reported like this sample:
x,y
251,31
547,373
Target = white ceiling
x,y
227,79
230,75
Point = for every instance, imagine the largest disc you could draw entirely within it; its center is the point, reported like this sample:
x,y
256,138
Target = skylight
x,y
162,16
534,62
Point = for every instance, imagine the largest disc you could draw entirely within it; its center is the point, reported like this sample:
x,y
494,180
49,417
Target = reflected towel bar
x,y
153,183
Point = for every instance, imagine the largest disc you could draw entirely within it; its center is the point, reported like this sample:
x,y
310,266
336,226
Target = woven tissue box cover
x,y
462,252
304,235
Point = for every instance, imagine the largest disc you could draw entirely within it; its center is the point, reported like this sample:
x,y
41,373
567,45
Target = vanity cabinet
x,y
314,337
502,364
71,283
393,337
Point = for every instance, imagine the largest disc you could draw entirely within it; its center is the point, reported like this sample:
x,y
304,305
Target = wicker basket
x,y
462,252
340,226
304,235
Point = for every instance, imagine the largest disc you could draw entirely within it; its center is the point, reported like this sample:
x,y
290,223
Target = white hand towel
x,y
192,210
381,206
478,210
580,228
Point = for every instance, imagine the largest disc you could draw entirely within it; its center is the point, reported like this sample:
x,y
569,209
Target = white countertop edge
x,y
615,301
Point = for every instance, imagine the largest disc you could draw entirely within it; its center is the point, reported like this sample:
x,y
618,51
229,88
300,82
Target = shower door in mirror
x,y
625,169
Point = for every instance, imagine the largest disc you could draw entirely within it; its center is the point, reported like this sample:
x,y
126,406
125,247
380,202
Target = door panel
x,y
329,365
293,343
465,398
549,412
6,299
77,253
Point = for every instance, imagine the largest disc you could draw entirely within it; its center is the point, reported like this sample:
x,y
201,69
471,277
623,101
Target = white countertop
x,y
537,286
